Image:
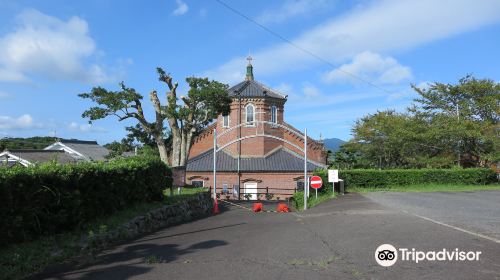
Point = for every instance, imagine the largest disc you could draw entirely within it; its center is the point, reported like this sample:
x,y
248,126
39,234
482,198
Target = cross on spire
x,y
249,76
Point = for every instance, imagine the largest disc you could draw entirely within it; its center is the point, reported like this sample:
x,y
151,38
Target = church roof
x,y
253,88
282,160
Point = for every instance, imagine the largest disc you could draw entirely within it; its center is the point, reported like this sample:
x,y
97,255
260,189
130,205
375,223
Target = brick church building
x,y
262,163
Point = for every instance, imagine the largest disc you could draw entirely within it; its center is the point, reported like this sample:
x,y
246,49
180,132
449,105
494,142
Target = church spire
x,y
249,76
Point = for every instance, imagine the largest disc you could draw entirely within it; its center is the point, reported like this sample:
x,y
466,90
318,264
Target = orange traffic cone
x,y
282,208
216,207
257,207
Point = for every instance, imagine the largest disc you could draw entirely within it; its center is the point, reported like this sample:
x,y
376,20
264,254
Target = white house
x,y
28,157
80,150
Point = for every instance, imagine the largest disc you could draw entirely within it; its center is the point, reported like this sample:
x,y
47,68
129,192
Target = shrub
x,y
325,190
52,198
400,177
323,173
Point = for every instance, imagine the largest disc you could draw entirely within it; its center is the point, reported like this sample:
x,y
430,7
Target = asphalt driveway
x,y
336,240
476,212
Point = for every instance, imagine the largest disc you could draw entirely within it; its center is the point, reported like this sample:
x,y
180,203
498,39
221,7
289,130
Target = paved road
x,y
478,212
336,240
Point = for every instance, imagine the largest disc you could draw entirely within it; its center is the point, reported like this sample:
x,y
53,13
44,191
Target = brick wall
x,y
280,184
257,146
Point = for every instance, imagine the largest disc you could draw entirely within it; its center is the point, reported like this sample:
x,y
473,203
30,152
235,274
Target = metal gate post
x,y
306,186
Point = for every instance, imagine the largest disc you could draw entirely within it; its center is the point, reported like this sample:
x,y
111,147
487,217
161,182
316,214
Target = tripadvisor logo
x,y
386,255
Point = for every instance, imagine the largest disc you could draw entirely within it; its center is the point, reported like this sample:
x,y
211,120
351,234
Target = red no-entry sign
x,y
316,182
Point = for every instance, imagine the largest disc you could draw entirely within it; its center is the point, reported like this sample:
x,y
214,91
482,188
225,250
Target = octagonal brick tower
x,y
253,101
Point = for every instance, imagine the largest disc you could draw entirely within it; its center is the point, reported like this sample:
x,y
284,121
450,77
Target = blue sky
x,y
52,50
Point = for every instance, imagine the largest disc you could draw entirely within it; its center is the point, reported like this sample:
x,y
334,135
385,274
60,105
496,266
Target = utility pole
x,y
239,143
215,164
306,185
458,141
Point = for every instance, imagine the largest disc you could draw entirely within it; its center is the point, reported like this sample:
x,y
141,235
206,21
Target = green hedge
x,y
52,198
400,177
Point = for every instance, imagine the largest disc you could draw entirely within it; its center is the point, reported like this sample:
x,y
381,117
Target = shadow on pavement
x,y
129,261
191,232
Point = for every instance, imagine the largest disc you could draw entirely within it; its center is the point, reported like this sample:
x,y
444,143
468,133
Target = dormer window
x,y
250,114
225,121
274,114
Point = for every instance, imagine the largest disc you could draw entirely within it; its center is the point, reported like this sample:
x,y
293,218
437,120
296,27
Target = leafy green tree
x,y
26,143
137,139
117,149
376,137
448,124
204,101
469,113
137,135
347,157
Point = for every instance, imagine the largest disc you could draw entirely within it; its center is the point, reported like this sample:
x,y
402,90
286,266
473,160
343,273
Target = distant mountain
x,y
333,144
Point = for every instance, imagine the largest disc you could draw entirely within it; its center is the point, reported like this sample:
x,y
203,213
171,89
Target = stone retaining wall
x,y
198,206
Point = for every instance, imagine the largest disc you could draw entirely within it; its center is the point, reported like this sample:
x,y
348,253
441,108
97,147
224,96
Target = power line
x,y
275,34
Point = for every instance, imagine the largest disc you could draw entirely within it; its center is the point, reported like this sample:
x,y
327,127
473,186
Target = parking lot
x,y
475,212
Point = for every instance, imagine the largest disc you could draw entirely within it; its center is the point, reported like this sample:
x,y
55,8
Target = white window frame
x,y
252,123
202,181
274,114
224,120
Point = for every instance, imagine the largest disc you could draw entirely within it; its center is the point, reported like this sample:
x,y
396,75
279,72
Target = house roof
x,y
282,160
253,88
38,156
89,149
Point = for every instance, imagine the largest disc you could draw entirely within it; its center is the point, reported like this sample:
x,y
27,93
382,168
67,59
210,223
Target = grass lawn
x,y
18,261
428,188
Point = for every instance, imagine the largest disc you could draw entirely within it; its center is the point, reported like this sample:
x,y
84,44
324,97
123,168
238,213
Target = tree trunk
x,y
187,138
182,159
176,148
160,142
189,141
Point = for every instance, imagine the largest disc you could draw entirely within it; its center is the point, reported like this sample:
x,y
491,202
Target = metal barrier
x,y
263,193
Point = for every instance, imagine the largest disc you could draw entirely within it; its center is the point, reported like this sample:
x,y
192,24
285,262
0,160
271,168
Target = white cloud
x,y
381,27
4,94
23,122
85,128
408,93
310,90
181,9
10,75
290,9
402,94
424,85
46,46
284,88
300,102
370,67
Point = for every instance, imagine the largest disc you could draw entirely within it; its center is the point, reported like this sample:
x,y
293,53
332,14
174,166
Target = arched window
x,y
274,114
250,114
